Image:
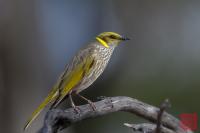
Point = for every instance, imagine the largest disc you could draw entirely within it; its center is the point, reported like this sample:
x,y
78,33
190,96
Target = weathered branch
x,y
58,119
164,105
148,128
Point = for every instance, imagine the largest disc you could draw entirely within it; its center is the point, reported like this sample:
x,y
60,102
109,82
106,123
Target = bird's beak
x,y
124,38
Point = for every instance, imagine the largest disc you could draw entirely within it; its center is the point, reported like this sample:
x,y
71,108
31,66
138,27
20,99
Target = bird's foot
x,y
89,101
77,109
92,105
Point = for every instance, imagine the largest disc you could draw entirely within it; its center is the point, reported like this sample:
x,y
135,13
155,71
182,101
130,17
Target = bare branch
x,y
148,128
164,105
58,119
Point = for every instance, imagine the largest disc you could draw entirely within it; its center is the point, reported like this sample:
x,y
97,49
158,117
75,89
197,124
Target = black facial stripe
x,y
113,37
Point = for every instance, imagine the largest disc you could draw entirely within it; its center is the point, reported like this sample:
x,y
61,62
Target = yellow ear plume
x,y
102,42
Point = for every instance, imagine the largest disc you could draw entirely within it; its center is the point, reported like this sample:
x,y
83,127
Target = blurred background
x,y
38,37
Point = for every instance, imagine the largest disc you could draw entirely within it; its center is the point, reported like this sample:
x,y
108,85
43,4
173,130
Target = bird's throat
x,y
102,42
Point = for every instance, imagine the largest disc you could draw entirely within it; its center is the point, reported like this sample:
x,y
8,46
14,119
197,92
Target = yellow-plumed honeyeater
x,y
86,66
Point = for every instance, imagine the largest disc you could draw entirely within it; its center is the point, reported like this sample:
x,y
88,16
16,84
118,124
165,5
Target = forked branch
x,y
58,119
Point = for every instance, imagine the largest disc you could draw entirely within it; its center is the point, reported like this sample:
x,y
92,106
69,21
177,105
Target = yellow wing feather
x,y
75,77
70,80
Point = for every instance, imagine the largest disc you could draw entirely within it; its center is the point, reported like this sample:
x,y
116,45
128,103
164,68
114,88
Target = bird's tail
x,y
51,97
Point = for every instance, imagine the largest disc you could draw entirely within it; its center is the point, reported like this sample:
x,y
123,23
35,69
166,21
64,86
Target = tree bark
x,y
59,119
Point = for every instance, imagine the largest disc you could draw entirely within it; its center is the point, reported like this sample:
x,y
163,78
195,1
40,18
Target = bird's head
x,y
108,39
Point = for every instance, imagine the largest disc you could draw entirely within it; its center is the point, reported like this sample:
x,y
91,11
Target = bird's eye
x,y
112,36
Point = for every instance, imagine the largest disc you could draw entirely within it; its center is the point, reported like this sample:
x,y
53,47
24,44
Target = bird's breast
x,y
101,58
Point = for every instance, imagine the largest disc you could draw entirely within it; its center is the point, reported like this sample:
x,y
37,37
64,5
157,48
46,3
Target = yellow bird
x,y
86,66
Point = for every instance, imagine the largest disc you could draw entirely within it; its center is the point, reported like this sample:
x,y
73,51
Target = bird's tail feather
x,y
51,97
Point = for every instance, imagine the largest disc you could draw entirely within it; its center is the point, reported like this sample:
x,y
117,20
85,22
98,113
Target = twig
x,y
147,128
164,105
152,128
57,119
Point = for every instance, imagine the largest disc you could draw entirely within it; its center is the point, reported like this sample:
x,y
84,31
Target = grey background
x,y
38,37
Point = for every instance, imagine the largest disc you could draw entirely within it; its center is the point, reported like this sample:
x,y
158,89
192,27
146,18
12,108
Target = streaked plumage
x,y
86,66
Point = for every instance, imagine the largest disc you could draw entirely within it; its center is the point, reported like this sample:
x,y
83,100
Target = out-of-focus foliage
x,y
38,37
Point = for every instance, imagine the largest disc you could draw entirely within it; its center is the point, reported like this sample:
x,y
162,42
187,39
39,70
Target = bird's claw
x,y
77,109
92,105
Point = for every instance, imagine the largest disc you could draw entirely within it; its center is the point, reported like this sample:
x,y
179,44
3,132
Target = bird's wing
x,y
75,76
72,76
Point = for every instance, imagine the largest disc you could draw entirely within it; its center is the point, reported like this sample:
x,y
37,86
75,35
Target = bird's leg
x,y
89,101
76,109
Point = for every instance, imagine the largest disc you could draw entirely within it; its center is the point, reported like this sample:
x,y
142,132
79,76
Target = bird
x,y
84,68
